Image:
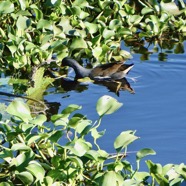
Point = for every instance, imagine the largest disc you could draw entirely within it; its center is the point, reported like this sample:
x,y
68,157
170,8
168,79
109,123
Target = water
x,y
157,110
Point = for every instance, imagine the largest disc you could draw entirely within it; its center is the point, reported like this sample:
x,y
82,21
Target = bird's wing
x,y
106,70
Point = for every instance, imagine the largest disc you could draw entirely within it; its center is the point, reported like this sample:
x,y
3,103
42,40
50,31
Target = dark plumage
x,y
113,71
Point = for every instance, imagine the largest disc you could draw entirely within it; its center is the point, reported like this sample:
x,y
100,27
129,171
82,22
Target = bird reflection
x,y
112,85
117,85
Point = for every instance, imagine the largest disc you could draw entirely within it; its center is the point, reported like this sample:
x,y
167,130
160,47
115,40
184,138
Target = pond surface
x,y
157,110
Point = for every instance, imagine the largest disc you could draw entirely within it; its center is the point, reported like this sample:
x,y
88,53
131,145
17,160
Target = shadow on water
x,y
113,86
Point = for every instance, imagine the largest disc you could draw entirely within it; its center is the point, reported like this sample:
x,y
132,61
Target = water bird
x,y
112,71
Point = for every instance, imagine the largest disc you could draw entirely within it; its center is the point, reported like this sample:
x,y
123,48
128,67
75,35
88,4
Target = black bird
x,y
113,71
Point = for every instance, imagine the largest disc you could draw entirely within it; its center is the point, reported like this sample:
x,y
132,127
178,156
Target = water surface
x,y
157,110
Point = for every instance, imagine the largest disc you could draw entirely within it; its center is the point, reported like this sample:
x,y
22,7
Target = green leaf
x,y
107,105
44,24
39,120
5,184
144,152
6,7
25,177
20,146
81,3
115,24
19,109
71,108
124,139
23,4
95,134
112,178
56,136
146,10
48,180
80,147
92,27
36,169
78,43
107,34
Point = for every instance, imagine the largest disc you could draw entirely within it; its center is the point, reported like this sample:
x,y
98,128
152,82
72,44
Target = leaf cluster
x,y
32,31
57,152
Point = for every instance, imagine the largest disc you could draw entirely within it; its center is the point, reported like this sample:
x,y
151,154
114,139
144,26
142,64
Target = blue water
x,y
157,110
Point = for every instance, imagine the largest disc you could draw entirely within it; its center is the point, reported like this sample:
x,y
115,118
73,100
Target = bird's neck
x,y
80,71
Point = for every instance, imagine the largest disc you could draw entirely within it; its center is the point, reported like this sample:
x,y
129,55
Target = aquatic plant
x,y
32,31
35,151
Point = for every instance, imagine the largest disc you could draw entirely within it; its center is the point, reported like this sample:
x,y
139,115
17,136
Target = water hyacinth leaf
x,y
80,147
74,121
78,43
48,180
6,7
71,108
107,34
36,169
112,178
39,120
81,3
44,24
19,109
38,13
146,10
144,152
141,176
32,138
135,19
92,28
97,52
20,146
23,4
5,184
56,136
107,105
77,161
170,8
23,22
25,177
181,169
77,11
83,127
124,139
95,134
154,168
115,24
